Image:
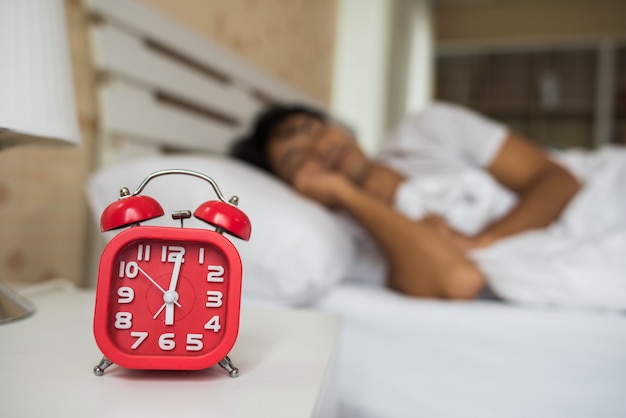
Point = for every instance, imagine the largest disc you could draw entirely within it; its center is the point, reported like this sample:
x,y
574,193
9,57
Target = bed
x,y
170,99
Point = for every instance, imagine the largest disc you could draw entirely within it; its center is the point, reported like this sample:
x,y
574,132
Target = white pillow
x,y
297,249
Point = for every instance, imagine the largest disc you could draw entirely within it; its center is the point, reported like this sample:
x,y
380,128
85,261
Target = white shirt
x,y
442,151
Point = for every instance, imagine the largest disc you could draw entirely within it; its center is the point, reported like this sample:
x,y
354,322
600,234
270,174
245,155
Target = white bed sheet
x,y
407,357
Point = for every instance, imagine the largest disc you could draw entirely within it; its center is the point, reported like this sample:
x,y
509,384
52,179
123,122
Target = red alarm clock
x,y
168,298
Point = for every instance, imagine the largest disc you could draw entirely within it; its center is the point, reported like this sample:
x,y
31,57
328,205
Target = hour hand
x,y
169,298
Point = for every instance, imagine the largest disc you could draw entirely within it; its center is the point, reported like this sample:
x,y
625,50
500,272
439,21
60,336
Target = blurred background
x,y
555,70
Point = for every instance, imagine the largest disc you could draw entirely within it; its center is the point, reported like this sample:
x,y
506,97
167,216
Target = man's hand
x,y
321,185
459,240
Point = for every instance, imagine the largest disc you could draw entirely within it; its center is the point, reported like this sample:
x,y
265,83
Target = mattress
x,y
409,357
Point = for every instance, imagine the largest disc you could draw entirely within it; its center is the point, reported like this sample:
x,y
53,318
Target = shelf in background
x,y
558,97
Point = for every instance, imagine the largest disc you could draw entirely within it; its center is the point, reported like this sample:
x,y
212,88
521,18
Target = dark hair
x,y
253,147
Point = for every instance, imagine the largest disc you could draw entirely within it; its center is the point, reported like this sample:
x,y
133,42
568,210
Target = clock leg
x,y
102,366
228,365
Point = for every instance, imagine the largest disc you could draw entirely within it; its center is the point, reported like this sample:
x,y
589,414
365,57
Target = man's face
x,y
306,141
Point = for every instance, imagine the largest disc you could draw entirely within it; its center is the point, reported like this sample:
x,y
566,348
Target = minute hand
x,y
175,272
169,307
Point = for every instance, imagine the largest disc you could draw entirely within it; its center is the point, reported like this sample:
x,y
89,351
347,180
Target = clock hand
x,y
155,283
165,305
170,297
169,311
159,311
176,271
151,279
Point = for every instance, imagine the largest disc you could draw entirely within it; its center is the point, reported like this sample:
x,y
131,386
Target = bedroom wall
x,y
293,40
364,35
44,219
520,20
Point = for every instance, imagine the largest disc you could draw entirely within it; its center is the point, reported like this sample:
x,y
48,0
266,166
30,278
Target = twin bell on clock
x,y
168,297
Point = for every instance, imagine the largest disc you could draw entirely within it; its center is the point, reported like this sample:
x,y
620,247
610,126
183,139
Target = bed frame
x,y
163,87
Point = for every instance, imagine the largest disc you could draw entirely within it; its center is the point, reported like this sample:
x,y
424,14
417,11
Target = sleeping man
x,y
457,203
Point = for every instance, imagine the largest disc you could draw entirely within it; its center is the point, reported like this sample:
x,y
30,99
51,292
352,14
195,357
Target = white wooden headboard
x,y
161,86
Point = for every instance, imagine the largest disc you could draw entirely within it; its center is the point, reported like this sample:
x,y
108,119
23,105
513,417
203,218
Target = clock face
x,y
167,298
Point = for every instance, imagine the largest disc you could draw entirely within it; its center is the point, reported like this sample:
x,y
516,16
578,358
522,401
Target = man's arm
x,y
421,262
543,187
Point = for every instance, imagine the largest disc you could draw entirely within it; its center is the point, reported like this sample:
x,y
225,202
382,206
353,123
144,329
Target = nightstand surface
x,y
285,357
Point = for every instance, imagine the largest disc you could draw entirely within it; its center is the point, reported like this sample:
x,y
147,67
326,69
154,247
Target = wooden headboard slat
x,y
166,87
146,22
159,123
128,57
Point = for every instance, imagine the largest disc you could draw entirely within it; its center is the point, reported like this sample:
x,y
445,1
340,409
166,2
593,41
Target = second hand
x,y
155,283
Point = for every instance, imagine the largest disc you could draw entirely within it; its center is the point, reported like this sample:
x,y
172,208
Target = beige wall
x,y
528,19
292,39
44,221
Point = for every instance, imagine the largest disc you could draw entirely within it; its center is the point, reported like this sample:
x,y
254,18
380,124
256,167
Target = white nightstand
x,y
285,357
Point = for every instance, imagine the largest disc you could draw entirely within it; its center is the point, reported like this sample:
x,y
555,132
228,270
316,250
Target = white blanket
x,y
579,261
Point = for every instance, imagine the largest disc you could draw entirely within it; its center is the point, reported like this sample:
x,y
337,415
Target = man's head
x,y
253,147
284,139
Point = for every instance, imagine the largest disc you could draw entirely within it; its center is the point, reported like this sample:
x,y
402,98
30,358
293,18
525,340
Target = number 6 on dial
x,y
168,297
